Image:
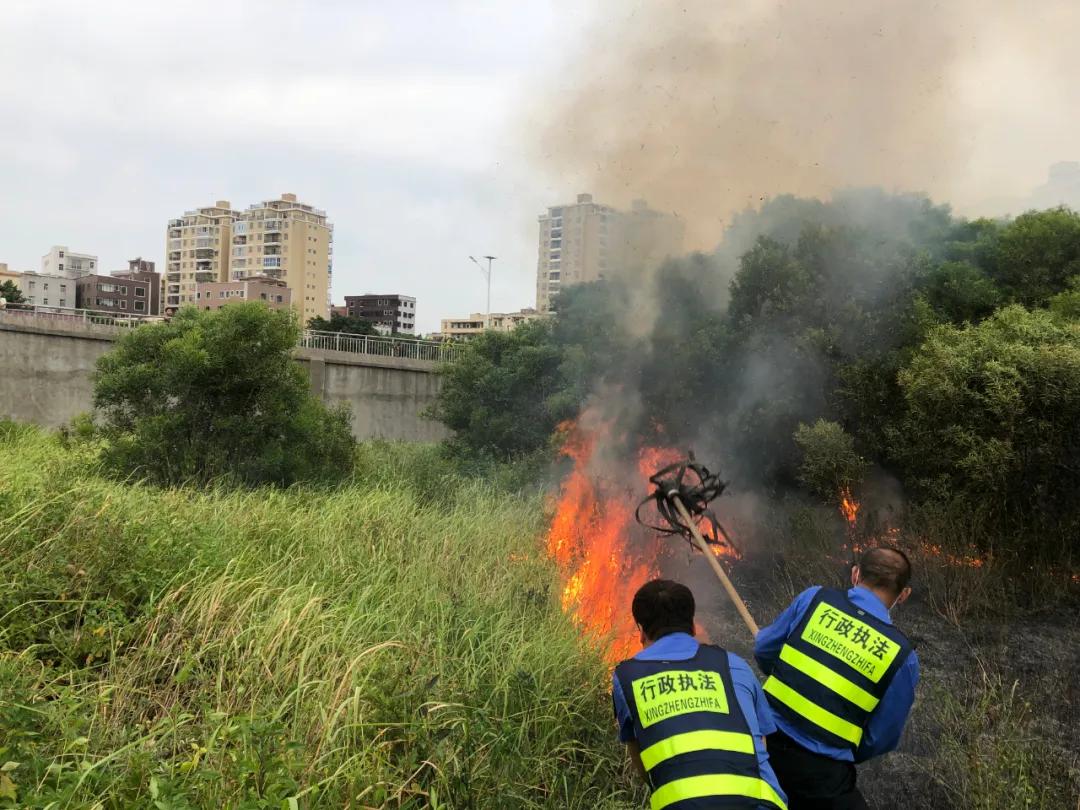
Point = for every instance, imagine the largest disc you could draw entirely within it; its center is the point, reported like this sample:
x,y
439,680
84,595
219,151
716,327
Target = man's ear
x,y
854,575
641,634
904,594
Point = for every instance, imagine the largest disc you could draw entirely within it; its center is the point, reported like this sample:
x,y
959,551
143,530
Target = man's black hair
x,y
885,567
663,606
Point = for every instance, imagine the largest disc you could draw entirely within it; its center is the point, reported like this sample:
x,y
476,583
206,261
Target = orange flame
x,y
849,508
605,557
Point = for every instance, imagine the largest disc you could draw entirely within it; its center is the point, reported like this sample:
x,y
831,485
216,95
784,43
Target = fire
x,y
604,555
849,508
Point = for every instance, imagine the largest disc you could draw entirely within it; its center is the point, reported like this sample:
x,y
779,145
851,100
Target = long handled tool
x,y
682,495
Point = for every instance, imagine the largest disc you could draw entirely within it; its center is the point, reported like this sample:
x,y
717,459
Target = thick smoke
x,y
705,108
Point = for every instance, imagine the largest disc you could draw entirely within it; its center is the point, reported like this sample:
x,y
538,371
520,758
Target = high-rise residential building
x,y
216,294
588,241
574,246
60,261
291,241
396,314
124,296
468,328
140,269
197,249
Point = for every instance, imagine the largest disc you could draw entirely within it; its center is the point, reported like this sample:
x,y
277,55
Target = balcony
x,y
174,267
174,256
203,267
205,276
205,253
173,289
239,240
174,233
272,226
272,238
173,278
272,250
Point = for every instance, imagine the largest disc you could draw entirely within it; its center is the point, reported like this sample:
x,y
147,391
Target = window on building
x,y
123,305
140,292
140,306
61,255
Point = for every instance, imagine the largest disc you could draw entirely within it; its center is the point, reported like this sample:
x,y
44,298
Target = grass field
x,y
398,642
392,643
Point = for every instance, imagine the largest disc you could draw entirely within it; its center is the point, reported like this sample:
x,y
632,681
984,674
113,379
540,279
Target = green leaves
x,y
217,395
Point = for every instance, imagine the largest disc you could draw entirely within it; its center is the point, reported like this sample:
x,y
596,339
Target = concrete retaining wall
x,y
45,379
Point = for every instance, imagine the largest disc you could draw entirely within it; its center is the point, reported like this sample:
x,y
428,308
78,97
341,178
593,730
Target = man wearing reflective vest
x,y
692,715
841,682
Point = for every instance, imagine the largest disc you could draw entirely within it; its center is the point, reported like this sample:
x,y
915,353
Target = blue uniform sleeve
x,y
770,639
751,698
887,723
622,711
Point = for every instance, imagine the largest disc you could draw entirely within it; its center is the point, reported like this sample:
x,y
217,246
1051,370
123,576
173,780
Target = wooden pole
x,y
718,569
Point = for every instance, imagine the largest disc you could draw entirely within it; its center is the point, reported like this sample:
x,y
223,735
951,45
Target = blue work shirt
x,y
887,721
755,708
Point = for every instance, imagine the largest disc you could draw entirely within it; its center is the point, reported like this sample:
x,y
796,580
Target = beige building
x,y
47,289
8,275
588,241
466,328
60,261
196,250
291,241
216,294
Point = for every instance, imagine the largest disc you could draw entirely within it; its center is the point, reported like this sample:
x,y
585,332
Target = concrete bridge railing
x,y
49,362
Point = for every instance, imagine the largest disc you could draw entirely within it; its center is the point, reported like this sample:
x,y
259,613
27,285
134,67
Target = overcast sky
x,y
421,126
401,120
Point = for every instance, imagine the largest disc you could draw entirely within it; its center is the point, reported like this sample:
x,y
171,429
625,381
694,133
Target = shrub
x,y
213,395
830,463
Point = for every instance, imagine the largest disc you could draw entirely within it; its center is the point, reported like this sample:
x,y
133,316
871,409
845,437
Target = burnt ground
x,y
996,722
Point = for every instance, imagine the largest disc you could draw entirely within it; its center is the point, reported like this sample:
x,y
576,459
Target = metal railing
x,y
125,320
375,345
382,346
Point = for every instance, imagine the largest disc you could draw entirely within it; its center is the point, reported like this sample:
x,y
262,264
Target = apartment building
x,y
574,246
588,241
216,294
46,289
197,250
140,269
396,314
60,261
112,294
291,241
468,328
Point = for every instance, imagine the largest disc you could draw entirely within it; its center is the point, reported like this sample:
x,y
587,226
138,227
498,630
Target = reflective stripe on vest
x,y
834,668
701,787
696,741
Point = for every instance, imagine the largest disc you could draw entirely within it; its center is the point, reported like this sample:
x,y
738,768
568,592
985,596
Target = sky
x,y
401,120
432,130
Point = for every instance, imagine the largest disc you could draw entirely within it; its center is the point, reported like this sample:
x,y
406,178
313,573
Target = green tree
x,y
830,463
217,395
501,398
1037,255
993,420
10,293
346,324
960,292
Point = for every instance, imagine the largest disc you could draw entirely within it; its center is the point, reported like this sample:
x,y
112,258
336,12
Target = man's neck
x,y
886,599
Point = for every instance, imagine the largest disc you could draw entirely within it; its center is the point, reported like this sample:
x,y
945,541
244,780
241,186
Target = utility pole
x,y
487,275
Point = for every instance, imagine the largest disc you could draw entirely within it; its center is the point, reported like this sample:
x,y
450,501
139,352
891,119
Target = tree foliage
x,y
504,396
830,463
993,418
216,395
11,293
345,324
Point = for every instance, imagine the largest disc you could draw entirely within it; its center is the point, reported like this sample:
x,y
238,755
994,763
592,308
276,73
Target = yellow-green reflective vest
x,y
834,669
695,742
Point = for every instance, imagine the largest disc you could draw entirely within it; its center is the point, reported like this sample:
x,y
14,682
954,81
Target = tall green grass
x,y
392,643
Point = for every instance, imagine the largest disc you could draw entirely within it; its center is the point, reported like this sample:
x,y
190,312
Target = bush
x,y
217,395
993,421
830,464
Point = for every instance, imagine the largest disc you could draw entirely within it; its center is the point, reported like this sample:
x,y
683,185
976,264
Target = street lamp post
x,y
487,274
